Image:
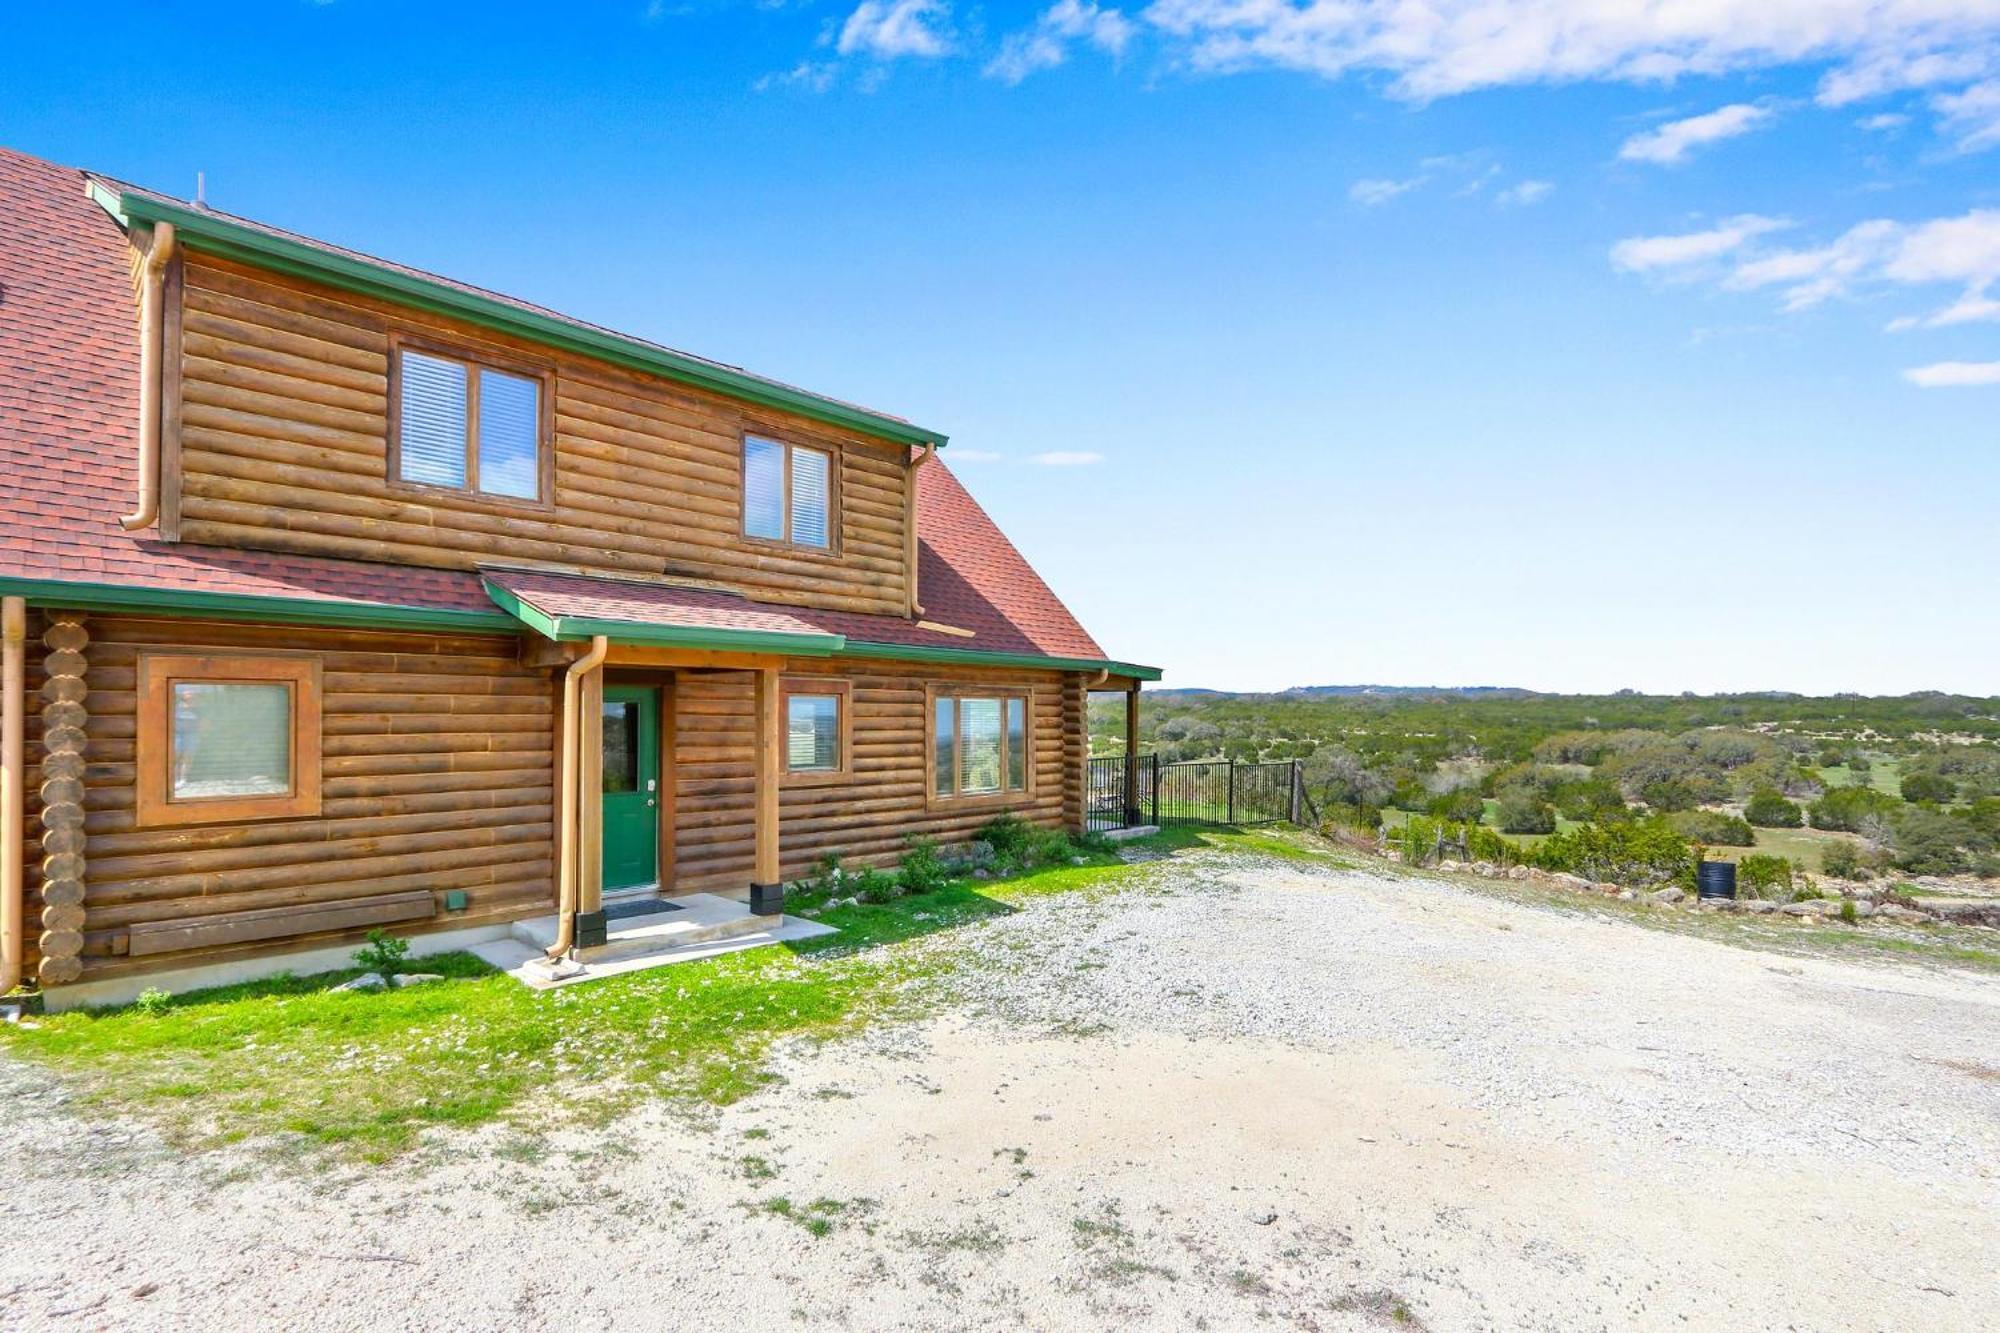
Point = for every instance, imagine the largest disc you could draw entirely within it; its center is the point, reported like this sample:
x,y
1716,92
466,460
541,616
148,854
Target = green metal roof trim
x,y
253,607
221,236
256,608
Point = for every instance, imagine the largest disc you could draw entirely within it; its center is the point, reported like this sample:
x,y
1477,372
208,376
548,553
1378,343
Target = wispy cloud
x,y
1066,458
1524,194
1374,193
1647,254
1673,141
1954,375
815,76
1971,116
891,29
1046,45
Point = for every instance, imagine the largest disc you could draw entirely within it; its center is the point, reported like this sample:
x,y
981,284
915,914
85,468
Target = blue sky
x,y
1559,343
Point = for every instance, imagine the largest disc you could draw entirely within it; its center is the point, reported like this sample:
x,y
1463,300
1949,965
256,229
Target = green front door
x,y
631,786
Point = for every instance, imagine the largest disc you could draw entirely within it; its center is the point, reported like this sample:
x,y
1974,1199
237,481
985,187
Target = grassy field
x,y
1884,775
367,1072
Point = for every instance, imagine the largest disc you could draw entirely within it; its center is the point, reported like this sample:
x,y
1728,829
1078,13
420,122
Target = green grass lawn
x,y
368,1072
1884,775
1804,845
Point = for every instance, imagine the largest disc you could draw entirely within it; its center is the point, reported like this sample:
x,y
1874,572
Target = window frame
x,y
790,442
474,360
957,798
156,806
839,688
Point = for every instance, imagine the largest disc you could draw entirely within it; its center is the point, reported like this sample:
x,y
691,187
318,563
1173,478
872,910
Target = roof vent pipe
x,y
152,333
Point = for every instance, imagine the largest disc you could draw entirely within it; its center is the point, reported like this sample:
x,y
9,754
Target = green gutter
x,y
252,607
209,233
973,657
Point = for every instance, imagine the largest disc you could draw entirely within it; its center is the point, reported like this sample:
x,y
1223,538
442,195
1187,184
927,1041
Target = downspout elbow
x,y
13,773
152,355
569,795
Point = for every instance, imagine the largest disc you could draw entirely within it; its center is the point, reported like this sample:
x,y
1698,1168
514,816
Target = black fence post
x,y
1155,820
1232,793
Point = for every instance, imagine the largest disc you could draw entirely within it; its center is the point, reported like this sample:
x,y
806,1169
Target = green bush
x,y
874,886
1714,829
1986,865
1768,808
153,1001
1464,806
1642,851
1929,842
1588,799
1521,811
923,869
1665,795
1932,787
1009,836
1842,860
383,953
1761,874
1845,809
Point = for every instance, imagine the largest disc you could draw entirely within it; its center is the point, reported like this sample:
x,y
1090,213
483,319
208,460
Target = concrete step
x,y
702,918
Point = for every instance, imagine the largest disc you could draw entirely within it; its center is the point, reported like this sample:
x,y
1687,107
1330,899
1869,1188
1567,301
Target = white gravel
x,y
1252,1094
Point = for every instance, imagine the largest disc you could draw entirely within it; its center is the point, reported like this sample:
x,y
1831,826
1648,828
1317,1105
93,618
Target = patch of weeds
x,y
757,1132
1018,1156
153,1002
523,1148
757,1168
1246,1283
1382,1306
1114,1249
384,953
820,1218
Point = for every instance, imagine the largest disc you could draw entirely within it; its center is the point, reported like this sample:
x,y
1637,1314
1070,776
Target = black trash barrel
x,y
1715,879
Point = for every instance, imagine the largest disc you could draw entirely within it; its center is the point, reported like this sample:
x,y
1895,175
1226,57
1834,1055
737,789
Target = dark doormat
x,y
638,907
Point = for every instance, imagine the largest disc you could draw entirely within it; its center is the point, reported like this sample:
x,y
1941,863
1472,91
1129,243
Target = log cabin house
x,y
340,595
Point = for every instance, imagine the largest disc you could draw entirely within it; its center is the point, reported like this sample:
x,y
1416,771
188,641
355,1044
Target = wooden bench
x,y
270,923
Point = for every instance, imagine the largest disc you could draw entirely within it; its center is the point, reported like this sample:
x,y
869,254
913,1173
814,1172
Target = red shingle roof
x,y
68,426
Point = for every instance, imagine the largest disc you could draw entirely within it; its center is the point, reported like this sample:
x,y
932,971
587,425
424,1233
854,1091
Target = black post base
x,y
590,929
767,899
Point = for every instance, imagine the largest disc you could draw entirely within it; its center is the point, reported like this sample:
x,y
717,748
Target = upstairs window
x,y
979,745
787,493
467,426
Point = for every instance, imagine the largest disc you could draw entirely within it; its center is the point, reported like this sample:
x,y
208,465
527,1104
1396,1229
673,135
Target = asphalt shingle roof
x,y
69,364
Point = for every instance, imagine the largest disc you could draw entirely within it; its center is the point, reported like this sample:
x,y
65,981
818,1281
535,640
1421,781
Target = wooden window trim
x,y
475,360
819,685
1002,799
836,466
156,806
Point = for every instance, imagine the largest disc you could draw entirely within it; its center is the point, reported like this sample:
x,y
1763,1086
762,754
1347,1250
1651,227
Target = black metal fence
x,y
1131,791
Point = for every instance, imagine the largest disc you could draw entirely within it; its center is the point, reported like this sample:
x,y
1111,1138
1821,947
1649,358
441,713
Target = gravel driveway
x,y
1249,1093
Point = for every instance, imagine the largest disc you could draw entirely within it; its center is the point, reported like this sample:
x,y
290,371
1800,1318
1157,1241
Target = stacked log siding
x,y
282,411
437,776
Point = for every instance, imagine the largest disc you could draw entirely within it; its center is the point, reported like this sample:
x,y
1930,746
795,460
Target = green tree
x,y
1521,811
1921,785
1768,808
1846,809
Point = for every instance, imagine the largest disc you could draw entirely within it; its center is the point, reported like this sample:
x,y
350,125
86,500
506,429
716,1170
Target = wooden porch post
x,y
767,894
1132,811
590,922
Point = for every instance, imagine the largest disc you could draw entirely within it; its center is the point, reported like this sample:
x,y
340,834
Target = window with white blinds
x,y
467,427
812,740
230,738
979,745
787,493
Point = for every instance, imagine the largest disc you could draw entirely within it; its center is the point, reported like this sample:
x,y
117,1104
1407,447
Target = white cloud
x,y
887,29
1523,194
1673,141
1885,122
1047,44
1439,47
1954,374
1807,277
1066,458
814,76
1972,308
962,455
1376,192
1972,116
1894,69
1645,254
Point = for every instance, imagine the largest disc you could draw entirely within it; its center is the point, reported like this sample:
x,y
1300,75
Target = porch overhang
x,y
575,607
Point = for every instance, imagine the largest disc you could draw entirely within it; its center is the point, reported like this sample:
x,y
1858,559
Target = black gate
x,y
1122,792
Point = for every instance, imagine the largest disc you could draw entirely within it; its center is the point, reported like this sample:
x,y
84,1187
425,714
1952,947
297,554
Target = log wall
x,y
279,405
866,816
437,776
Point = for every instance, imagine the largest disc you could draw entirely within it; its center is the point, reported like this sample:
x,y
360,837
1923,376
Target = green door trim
x,y
631,796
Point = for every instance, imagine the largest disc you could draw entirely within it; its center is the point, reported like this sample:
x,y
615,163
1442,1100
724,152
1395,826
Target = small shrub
x,y
1667,795
1768,808
383,953
153,1001
1931,787
1714,829
1929,842
1842,860
1848,809
1766,876
923,870
1011,838
1986,865
1464,806
1523,812
1847,912
874,886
